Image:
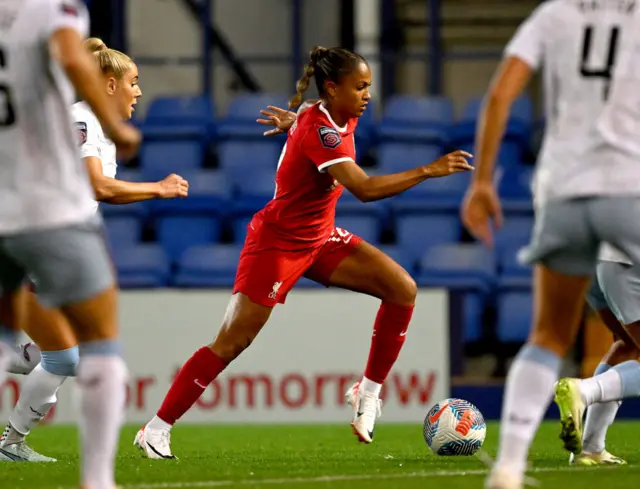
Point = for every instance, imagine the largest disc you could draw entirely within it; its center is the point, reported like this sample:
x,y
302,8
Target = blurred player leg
x,y
350,263
601,415
39,391
242,322
74,273
564,252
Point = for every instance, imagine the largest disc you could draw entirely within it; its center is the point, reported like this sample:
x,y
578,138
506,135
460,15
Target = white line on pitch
x,y
336,478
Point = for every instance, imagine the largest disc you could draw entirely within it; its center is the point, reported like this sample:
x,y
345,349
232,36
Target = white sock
x,y
370,387
37,396
102,381
26,358
158,424
602,388
528,393
599,417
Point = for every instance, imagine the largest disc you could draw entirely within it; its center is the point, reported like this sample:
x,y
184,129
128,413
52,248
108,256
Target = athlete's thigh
x,y
70,264
48,328
351,263
621,287
562,238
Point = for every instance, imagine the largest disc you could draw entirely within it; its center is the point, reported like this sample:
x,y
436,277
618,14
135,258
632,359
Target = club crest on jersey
x,y
329,137
82,132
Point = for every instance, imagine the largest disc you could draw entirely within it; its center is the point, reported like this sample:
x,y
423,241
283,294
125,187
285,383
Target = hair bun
x,y
317,53
95,44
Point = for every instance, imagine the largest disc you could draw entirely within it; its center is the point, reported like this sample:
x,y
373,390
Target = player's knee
x,y
549,340
621,352
402,291
62,362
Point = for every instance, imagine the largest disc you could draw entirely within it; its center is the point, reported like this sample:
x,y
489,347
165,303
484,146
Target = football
x,y
454,427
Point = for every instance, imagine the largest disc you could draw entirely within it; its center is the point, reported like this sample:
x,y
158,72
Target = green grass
x,y
273,456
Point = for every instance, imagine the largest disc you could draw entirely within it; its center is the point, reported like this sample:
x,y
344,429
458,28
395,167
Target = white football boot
x,y
366,409
590,459
154,443
14,448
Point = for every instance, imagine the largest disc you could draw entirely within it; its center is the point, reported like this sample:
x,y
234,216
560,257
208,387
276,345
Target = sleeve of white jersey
x,y
66,14
527,43
86,127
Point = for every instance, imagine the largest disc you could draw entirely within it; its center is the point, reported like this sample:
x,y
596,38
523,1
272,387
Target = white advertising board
x,y
296,371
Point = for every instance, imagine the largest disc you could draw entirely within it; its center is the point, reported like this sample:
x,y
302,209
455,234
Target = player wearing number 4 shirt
x,y
586,194
295,236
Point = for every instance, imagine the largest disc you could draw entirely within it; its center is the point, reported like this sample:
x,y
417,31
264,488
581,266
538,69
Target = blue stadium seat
x,y
160,159
367,227
142,265
179,117
510,153
239,121
514,234
255,192
240,160
397,157
465,269
416,119
209,193
518,128
416,233
468,266
307,283
176,234
365,132
123,231
208,266
240,230
514,276
514,316
399,255
349,205
137,209
514,187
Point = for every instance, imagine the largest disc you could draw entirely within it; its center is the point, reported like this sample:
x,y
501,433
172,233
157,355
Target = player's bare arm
x,y
369,189
115,191
481,205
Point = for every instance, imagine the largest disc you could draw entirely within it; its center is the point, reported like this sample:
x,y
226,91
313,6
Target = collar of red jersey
x,y
323,109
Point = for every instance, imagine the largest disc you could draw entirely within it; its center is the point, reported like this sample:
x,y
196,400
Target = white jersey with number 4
x,y
590,53
92,140
43,182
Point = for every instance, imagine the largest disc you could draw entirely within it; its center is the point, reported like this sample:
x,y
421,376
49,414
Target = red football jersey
x,y
302,212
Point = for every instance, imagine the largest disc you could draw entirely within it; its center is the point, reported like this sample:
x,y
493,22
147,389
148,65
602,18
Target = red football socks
x,y
192,380
389,332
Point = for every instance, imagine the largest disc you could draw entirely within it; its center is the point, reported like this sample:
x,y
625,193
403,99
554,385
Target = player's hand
x,y
450,163
127,140
281,119
173,186
481,211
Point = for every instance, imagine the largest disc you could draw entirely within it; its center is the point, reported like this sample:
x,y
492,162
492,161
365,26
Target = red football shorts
x,y
266,273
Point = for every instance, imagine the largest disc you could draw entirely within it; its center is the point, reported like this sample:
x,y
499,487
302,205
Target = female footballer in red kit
x,y
295,236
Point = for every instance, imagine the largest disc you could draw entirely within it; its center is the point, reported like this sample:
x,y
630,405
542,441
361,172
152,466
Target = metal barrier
x,y
434,54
